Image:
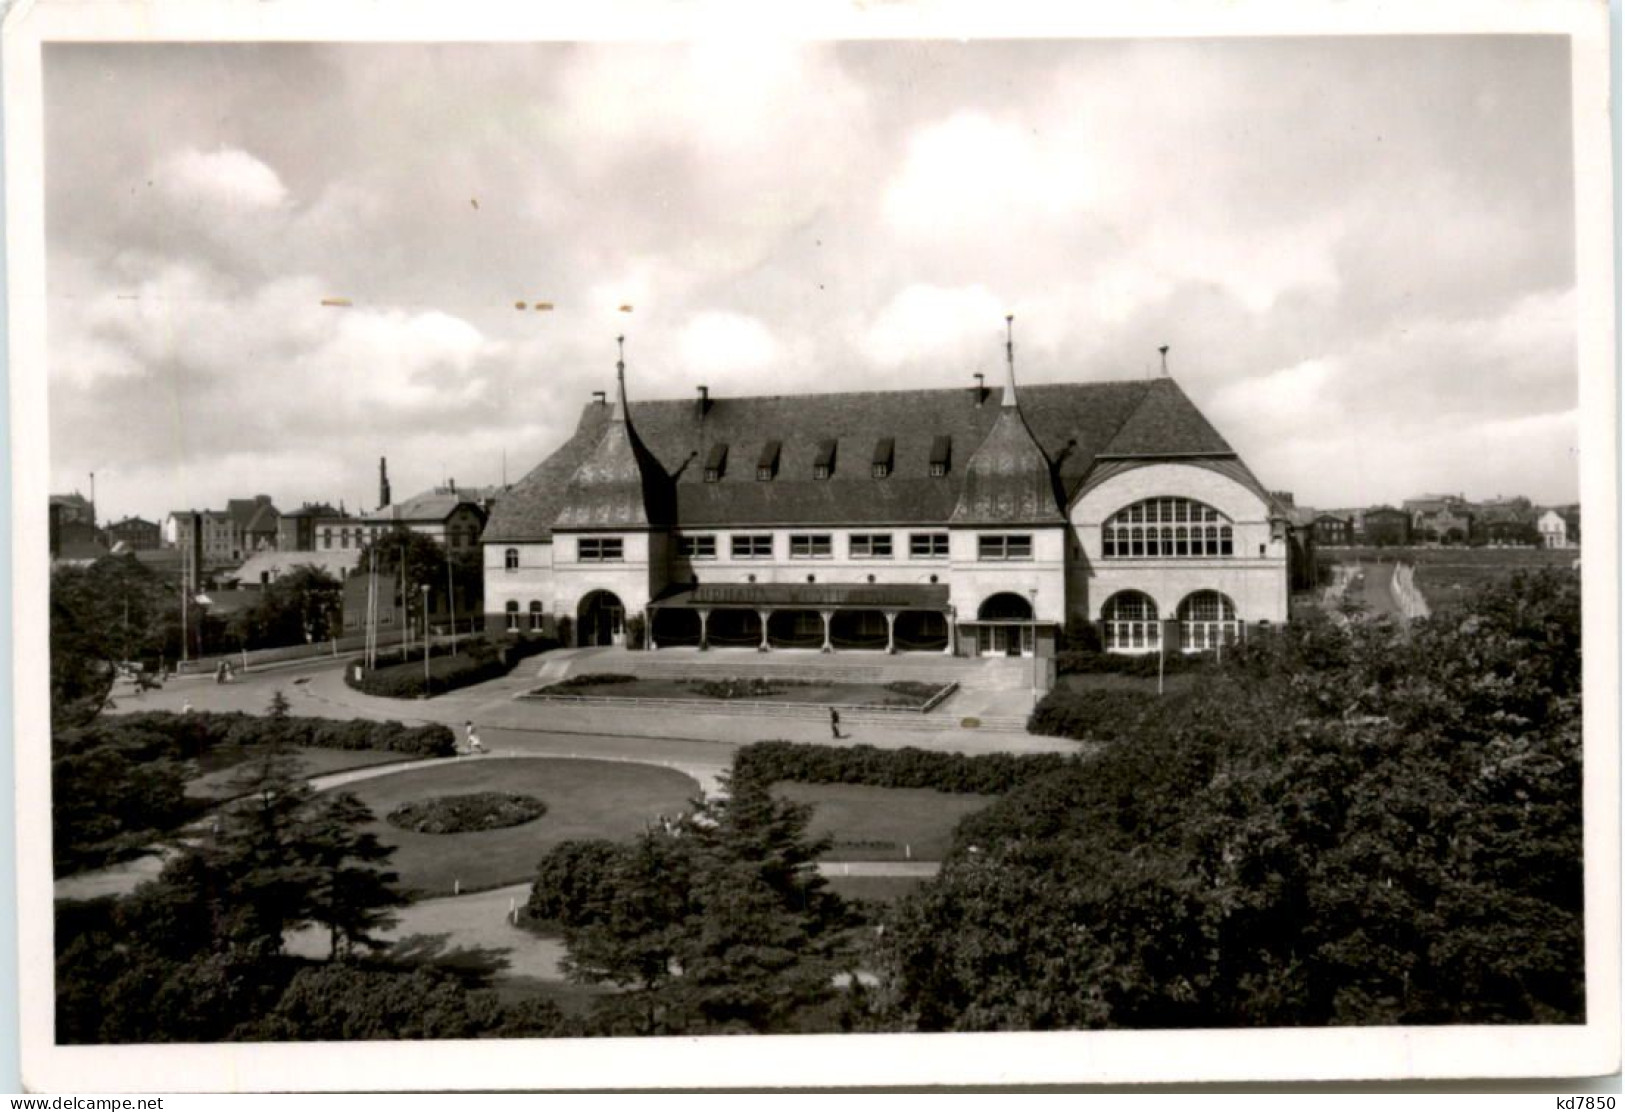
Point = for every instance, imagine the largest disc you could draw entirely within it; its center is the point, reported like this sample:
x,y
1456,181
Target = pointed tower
x,y
1008,480
619,485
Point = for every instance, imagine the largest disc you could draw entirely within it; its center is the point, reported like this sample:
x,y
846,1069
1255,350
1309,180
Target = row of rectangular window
x,y
818,546
803,546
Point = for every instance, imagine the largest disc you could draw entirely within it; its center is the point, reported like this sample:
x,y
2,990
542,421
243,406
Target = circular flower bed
x,y
460,814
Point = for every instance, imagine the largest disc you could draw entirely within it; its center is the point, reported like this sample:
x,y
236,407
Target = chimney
x,y
383,482
599,397
705,400
452,484
981,389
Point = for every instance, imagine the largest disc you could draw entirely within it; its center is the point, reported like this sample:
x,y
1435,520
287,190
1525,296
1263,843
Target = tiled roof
x,y
433,505
1072,423
1008,480
618,485
336,562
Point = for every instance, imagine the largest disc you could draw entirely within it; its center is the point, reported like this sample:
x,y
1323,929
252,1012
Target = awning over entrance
x,y
811,596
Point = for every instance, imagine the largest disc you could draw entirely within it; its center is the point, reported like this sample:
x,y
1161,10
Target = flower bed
x,y
461,814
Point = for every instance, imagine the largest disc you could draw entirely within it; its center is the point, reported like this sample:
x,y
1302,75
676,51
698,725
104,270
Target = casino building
x,y
972,521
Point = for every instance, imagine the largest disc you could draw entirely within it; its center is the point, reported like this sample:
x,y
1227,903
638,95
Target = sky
x,y
1359,251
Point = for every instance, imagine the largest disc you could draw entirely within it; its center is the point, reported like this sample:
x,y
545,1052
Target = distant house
x,y
73,529
1333,531
1502,524
1387,527
254,524
1559,528
264,568
218,535
296,529
137,533
454,517
1448,524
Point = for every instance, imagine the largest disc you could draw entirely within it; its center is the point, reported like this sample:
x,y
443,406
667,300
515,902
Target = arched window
x,y
512,610
510,559
535,615
1166,528
1207,620
1131,625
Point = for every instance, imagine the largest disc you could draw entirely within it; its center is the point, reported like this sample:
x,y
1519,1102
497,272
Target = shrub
x,y
459,814
568,879
593,679
1090,715
445,673
766,762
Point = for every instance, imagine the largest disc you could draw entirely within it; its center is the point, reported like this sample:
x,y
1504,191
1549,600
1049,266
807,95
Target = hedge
x,y
198,731
1092,715
766,762
400,676
1093,663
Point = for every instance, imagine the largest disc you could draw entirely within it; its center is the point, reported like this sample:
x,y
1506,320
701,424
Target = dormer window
x,y
715,462
767,464
941,449
880,465
824,462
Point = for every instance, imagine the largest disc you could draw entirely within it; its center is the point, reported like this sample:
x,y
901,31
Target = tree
x,y
1372,823
112,611
720,923
299,607
352,895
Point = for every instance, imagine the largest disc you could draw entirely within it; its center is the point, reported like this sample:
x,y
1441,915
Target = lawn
x,y
883,824
875,889
217,765
585,799
776,691
1448,577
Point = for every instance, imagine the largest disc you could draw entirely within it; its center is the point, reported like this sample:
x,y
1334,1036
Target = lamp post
x,y
425,640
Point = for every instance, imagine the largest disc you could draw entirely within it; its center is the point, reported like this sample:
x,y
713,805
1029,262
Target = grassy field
x,y
1447,577
218,765
585,799
883,824
844,694
875,889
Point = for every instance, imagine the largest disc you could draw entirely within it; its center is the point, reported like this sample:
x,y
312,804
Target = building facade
x,y
1333,531
1387,527
136,533
969,521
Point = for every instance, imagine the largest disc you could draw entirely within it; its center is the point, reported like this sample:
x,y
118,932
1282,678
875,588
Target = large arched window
x,y
1131,625
1207,620
535,615
1162,528
512,610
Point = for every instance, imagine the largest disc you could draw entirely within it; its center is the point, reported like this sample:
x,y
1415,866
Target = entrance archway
x,y
1008,630
858,629
734,629
600,620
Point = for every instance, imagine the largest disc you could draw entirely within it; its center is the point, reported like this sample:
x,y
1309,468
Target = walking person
x,y
835,723
473,737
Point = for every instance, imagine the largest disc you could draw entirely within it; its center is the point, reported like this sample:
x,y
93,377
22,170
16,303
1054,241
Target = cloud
x,y
929,325
727,344
224,180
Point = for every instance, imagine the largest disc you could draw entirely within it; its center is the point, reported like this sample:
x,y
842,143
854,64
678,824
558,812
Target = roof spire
x,y
1164,352
619,413
1010,360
